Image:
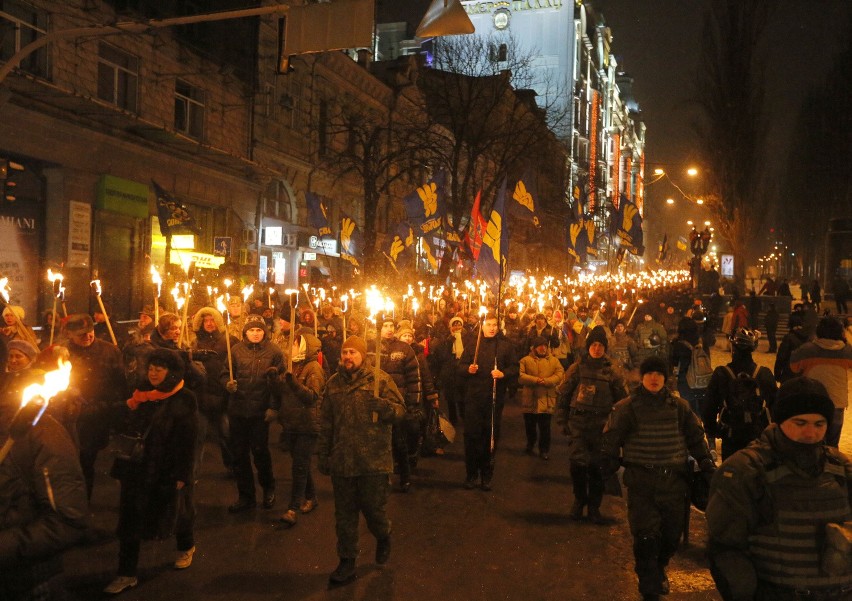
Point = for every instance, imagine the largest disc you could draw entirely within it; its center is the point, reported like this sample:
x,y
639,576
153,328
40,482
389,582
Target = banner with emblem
x,y
399,243
172,214
628,227
495,242
523,204
351,241
424,207
318,215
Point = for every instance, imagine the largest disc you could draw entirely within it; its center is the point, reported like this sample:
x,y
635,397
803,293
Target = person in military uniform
x,y
779,510
655,432
486,377
354,448
589,389
97,374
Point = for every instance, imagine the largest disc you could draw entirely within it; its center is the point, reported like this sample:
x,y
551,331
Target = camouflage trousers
x,y
352,496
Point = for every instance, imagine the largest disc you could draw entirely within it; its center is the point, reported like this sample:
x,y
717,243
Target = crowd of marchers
x,y
634,392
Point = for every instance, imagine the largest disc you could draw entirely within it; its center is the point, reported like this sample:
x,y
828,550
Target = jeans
x,y
537,426
250,439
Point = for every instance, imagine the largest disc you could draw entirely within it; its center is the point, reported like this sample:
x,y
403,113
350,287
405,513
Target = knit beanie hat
x,y
801,395
404,329
23,347
16,311
458,320
356,343
538,341
654,363
598,334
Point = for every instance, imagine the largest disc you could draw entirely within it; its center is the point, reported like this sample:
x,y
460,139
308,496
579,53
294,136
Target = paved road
x,y
514,543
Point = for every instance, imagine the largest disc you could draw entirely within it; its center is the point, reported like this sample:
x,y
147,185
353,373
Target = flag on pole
x,y
318,215
578,240
424,207
495,242
476,228
402,238
523,200
172,214
628,226
351,241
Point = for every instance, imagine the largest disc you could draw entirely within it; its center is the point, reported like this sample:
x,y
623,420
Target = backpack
x,y
699,371
743,408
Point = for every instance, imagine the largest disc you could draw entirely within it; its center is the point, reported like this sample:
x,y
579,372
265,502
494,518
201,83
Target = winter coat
x,y
829,362
791,341
98,375
212,396
719,392
429,393
355,427
254,394
753,493
299,401
400,362
479,385
195,375
149,494
43,506
535,397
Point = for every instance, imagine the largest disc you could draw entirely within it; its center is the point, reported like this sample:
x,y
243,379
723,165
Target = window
x,y
322,129
500,53
21,24
277,202
189,109
118,77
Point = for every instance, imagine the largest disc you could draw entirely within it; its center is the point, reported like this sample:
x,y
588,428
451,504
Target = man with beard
x,y
779,511
354,448
486,375
97,374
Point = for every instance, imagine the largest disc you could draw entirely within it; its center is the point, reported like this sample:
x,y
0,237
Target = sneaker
x,y
345,571
184,559
308,506
121,584
383,550
268,499
289,518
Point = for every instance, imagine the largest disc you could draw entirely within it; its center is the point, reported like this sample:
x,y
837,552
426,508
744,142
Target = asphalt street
x,y
515,542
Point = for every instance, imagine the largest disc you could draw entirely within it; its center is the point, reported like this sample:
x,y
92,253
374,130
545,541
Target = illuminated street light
x,y
659,172
707,223
699,201
689,222
692,172
670,201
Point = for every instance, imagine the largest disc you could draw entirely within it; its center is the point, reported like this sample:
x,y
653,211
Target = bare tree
x,y
731,128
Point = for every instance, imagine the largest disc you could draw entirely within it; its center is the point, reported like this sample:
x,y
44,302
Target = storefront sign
x,y
326,246
272,236
79,234
122,196
202,260
309,256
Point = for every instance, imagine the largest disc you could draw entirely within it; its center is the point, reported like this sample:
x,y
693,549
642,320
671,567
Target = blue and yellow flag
x,y
577,235
173,214
627,223
351,241
424,207
523,202
318,215
399,243
495,242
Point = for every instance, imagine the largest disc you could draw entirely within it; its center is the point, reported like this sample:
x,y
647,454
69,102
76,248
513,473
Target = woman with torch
x,y
43,492
486,377
157,479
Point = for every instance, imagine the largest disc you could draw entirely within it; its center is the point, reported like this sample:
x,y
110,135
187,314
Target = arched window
x,y
279,202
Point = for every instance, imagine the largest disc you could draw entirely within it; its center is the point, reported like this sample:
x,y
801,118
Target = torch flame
x,y
156,279
97,285
220,304
54,382
247,290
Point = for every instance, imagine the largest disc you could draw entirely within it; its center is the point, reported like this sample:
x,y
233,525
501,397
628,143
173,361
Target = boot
x,y
595,516
345,571
646,551
580,484
383,550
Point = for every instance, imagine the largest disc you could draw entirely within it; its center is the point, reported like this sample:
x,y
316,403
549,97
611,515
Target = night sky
x,y
657,42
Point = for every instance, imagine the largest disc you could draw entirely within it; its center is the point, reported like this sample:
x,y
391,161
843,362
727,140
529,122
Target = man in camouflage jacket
x,y
355,449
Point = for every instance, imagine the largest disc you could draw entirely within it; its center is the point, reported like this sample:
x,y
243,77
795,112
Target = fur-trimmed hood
x,y
198,319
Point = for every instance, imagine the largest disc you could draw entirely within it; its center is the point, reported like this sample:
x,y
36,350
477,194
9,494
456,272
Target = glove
x,y
272,372
270,416
231,386
323,466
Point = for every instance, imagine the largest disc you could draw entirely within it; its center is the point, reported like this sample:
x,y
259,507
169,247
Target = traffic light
x,y
10,172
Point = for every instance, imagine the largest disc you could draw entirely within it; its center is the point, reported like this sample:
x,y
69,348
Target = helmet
x,y
745,339
654,340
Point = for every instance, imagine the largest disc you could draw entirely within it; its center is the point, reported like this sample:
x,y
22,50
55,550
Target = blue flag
x,y
424,207
522,204
495,242
577,234
172,214
627,223
318,215
399,243
351,241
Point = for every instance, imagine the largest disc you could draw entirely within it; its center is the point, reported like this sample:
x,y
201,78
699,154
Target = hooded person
x,y
211,349
540,373
297,409
257,365
589,389
157,484
800,540
14,328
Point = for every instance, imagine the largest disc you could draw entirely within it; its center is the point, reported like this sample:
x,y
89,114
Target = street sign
x,y
309,256
727,266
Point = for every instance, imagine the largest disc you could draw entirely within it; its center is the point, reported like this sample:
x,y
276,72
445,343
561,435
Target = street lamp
x,y
692,172
670,201
699,201
689,222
